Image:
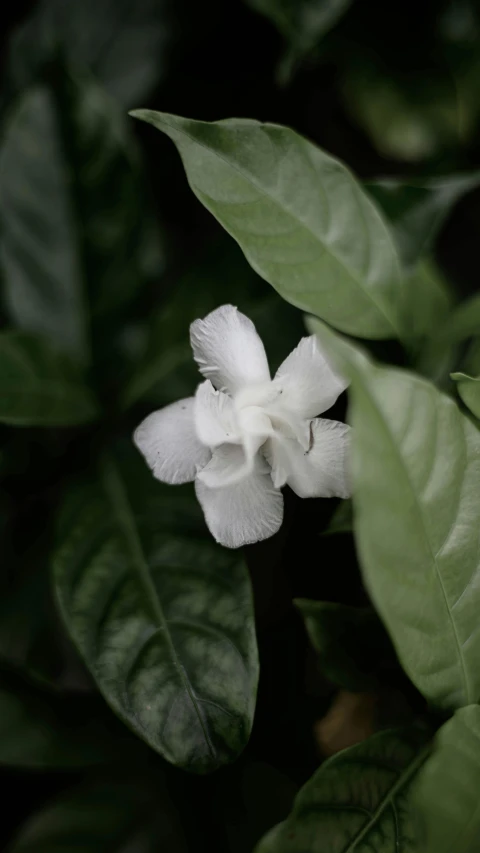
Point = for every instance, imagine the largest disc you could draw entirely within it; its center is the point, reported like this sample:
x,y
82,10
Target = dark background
x,y
222,59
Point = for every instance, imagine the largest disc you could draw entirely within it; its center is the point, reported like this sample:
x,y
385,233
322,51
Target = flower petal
x,y
169,443
278,455
214,416
229,464
321,472
244,513
308,383
228,350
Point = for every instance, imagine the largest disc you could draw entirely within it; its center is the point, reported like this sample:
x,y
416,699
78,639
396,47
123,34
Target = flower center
x,y
261,414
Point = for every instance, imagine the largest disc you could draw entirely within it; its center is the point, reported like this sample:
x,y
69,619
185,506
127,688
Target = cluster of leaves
x,y
297,214
113,586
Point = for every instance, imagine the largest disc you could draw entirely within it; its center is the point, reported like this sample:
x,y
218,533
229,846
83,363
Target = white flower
x,y
244,436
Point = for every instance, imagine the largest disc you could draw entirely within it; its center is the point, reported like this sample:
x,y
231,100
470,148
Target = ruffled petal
x,y
322,471
228,350
214,416
307,382
169,443
229,464
278,454
244,513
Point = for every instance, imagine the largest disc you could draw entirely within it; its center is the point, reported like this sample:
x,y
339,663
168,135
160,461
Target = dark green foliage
x,y
158,691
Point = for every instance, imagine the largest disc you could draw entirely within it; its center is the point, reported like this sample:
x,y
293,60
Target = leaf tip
x,y
141,114
458,376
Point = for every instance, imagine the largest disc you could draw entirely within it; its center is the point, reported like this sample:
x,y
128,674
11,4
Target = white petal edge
x,y
321,472
168,441
214,416
307,381
228,350
247,512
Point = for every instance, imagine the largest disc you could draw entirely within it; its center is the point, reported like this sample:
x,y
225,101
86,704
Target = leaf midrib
x,y
116,493
389,797
352,274
419,515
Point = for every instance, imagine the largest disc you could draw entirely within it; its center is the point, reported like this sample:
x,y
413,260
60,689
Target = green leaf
x,y
163,621
416,467
429,311
406,117
39,387
72,214
447,788
39,251
429,302
302,220
470,362
417,210
469,389
114,221
123,44
352,645
465,322
302,22
43,728
117,815
167,369
357,801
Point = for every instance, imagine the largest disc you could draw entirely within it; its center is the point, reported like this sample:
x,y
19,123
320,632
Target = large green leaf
x,y
72,212
167,369
124,44
302,220
105,814
39,387
43,728
163,621
357,801
351,643
416,467
469,390
417,210
447,788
